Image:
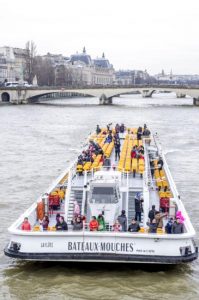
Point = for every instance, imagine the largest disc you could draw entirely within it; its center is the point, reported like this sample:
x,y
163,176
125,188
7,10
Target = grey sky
x,y
134,34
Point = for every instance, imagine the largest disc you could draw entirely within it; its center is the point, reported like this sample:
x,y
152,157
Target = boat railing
x,y
176,195
146,184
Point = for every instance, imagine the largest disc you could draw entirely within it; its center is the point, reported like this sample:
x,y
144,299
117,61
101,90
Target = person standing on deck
x,y
138,209
177,227
159,219
152,213
98,130
117,149
123,220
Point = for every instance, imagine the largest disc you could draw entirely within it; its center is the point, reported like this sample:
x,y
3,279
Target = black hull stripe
x,y
101,257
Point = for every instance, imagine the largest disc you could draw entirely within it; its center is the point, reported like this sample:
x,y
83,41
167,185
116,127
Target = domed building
x,y
86,71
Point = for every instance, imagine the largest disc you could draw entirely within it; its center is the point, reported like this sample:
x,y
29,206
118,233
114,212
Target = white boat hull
x,y
102,247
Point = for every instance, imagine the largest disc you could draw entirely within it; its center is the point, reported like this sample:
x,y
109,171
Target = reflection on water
x,y
37,141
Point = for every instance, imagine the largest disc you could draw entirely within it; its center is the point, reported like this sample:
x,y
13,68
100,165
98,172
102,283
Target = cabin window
x,y
104,195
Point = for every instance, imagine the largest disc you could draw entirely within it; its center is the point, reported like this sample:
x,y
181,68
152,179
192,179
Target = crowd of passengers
x,y
173,226
94,148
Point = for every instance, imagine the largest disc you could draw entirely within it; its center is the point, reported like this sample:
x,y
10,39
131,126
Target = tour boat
x,y
98,188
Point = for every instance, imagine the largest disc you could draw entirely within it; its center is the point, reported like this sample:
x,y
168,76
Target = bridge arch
x,y
57,95
5,97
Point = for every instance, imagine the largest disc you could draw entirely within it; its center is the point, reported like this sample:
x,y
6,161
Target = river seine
x,y
38,141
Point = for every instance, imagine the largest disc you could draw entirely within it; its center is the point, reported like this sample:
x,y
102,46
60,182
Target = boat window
x,y
103,195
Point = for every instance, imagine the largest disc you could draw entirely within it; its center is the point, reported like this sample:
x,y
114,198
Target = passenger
x,y
139,133
117,128
26,225
109,139
152,226
76,208
180,216
45,223
117,227
138,209
169,225
146,132
78,224
122,128
117,150
152,213
134,152
123,220
101,223
134,226
177,227
61,224
98,130
57,217
93,225
159,219
160,163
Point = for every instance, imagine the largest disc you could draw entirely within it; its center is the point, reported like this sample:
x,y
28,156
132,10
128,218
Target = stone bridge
x,y
23,95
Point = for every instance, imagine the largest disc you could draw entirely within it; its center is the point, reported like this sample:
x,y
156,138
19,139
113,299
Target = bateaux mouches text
x,y
99,247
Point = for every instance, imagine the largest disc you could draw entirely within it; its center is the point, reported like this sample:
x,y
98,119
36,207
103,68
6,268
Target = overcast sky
x,y
134,34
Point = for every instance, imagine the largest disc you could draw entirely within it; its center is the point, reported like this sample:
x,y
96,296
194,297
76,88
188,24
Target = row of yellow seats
x,y
128,156
138,165
161,180
123,155
166,194
145,230
59,192
38,228
96,162
109,149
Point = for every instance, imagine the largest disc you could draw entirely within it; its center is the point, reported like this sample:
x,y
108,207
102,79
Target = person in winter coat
x,y
134,226
138,209
177,227
61,225
117,150
26,225
117,227
78,224
123,220
98,130
101,223
152,213
180,216
93,225
76,209
159,219
152,226
45,223
169,225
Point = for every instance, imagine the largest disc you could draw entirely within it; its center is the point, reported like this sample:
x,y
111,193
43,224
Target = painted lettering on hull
x,y
100,247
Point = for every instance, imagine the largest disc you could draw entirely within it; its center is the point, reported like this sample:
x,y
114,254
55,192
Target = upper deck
x,y
139,175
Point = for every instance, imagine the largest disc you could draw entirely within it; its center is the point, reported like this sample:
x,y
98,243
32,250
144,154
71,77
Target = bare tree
x,y
30,61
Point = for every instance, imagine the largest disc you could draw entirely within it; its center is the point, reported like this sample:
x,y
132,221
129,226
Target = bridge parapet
x,y
105,94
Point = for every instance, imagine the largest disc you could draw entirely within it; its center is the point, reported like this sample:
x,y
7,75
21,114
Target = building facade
x,y
12,64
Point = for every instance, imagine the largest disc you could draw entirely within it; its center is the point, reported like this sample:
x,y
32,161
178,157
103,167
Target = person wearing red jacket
x,y
26,225
93,225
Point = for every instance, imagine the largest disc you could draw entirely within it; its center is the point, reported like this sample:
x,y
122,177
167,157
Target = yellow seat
x,y
36,228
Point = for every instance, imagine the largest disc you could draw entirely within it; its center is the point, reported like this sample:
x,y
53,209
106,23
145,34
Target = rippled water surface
x,y
39,141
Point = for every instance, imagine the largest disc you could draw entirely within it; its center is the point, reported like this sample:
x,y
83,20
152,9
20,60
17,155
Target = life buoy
x,y
40,210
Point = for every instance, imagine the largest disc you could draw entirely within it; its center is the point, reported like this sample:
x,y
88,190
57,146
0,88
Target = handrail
x,y
84,193
173,187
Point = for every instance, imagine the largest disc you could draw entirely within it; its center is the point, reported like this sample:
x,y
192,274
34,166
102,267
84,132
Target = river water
x,y
38,142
